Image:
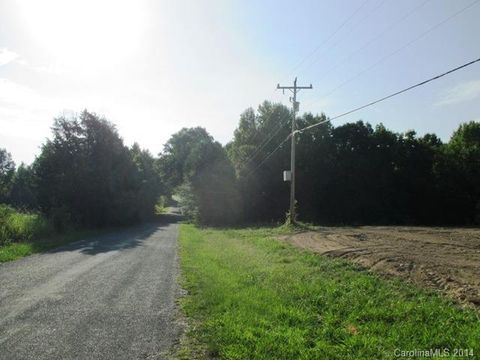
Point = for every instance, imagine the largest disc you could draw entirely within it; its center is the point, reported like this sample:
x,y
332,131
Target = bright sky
x,y
153,67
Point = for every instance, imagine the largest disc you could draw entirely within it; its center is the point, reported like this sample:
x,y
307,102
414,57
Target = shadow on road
x,y
121,239
170,218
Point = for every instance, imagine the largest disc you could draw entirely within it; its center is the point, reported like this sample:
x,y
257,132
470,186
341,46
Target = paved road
x,y
110,297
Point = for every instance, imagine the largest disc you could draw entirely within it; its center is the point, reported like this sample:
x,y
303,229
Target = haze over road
x,y
109,297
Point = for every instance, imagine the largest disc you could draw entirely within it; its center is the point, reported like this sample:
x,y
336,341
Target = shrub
x,y
16,226
161,205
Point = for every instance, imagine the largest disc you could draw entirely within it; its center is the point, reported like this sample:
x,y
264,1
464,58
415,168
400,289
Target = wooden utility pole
x,y
294,89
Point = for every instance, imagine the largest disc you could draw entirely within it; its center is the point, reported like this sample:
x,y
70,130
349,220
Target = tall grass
x,y
253,297
23,233
17,227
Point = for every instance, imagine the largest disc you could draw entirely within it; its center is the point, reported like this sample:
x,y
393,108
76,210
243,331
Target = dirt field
x,y
444,259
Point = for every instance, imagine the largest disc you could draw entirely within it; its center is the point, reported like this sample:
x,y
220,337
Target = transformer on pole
x,y
295,106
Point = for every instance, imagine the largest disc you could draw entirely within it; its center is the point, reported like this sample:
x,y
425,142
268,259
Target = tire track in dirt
x,y
443,259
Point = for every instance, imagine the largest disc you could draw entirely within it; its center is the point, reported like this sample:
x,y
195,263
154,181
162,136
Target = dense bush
x,y
84,177
198,169
87,176
351,174
7,171
16,226
357,174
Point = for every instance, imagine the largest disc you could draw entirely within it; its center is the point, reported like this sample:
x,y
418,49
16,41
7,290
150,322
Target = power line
x,y
264,143
345,34
389,96
362,107
422,35
280,125
381,60
379,5
327,39
269,155
371,41
295,89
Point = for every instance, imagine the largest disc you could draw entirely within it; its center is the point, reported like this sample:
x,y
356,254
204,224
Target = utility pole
x,y
294,89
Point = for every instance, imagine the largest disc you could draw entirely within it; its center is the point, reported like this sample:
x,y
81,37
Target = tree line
x,y
348,174
84,176
355,173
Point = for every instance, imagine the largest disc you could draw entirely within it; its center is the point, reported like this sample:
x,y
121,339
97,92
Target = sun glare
x,y
85,34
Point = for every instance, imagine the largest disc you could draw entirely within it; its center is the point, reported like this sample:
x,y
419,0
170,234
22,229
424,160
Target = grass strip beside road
x,y
18,250
253,297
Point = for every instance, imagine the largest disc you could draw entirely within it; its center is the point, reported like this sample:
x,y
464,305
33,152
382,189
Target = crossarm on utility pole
x,y
294,89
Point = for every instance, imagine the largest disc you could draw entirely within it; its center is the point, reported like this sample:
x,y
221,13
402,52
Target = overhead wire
x,y
389,96
299,131
300,63
269,155
297,66
328,49
379,5
264,143
371,41
375,64
328,38
422,35
325,41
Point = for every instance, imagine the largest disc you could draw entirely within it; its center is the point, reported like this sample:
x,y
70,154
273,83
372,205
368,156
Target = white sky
x,y
153,67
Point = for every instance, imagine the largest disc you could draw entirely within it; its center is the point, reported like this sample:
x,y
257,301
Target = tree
x,y
7,170
87,175
463,157
315,158
264,193
354,173
23,192
204,177
148,179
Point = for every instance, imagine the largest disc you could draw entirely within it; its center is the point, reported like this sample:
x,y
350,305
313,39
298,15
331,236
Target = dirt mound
x,y
444,259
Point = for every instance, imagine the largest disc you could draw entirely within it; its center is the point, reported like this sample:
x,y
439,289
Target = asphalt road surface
x,y
109,297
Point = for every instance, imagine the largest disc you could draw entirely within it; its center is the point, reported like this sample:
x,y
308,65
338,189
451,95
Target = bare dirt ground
x,y
444,259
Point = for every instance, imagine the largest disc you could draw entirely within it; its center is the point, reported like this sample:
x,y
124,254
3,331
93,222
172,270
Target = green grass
x,y
18,250
23,234
253,297
19,233
18,226
161,205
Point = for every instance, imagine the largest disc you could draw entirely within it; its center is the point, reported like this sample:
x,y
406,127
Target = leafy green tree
x,y
86,174
23,192
263,190
315,159
354,173
463,157
203,175
7,170
148,180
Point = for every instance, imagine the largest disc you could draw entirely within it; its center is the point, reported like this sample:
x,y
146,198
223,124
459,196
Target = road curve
x,y
108,297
